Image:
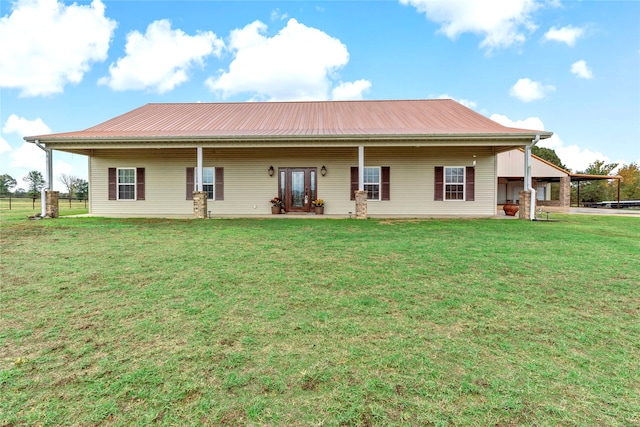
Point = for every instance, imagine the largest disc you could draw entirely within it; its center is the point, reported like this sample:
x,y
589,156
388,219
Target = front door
x,y
297,188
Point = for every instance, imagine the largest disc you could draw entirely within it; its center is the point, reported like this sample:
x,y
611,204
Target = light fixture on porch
x,y
271,171
323,170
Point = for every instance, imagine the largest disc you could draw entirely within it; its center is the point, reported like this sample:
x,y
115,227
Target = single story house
x,y
386,158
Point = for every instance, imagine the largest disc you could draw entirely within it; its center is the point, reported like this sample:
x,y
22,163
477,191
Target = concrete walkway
x,y
605,211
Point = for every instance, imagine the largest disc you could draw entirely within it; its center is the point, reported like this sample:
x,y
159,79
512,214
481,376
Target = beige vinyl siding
x,y
511,164
412,181
248,187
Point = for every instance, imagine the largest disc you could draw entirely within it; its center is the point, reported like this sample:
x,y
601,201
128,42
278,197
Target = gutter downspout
x,y
49,171
528,177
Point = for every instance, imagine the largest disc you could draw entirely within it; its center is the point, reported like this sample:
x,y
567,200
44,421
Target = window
x,y
372,182
212,182
377,182
454,183
127,184
208,182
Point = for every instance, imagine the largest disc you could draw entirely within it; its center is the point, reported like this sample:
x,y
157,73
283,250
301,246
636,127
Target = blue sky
x,y
571,67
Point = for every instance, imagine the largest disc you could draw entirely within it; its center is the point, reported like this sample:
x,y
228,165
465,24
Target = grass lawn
x,y
324,322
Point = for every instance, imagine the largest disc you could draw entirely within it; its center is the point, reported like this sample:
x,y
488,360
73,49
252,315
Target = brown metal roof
x,y
299,120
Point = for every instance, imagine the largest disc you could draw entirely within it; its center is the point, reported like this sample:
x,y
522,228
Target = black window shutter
x,y
139,183
386,182
470,183
113,184
354,181
219,184
438,183
190,183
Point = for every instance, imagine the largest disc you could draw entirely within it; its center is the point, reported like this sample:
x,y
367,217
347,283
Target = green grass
x,y
324,322
17,209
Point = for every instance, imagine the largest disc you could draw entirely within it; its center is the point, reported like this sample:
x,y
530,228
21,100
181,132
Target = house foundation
x,y
51,203
361,204
525,204
200,204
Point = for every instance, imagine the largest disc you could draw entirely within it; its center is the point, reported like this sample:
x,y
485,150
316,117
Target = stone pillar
x,y
51,203
565,191
361,204
200,204
525,204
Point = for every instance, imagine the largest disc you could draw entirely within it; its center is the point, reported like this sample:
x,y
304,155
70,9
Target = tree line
x,y
77,188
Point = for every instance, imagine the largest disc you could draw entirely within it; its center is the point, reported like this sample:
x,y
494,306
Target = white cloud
x,y
298,63
46,45
23,127
528,90
351,90
465,102
27,155
568,35
277,16
62,167
160,59
572,156
580,69
531,123
502,23
4,146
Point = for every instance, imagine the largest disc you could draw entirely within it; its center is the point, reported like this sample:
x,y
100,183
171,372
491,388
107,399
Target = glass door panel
x,y
297,190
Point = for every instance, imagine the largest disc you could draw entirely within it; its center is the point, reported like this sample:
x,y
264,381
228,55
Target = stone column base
x,y
525,204
51,203
200,204
361,204
565,191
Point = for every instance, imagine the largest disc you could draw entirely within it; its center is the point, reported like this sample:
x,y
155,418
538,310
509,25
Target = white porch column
x,y
360,168
199,169
49,174
527,167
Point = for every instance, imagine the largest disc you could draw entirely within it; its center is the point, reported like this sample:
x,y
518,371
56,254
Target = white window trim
x,y
379,182
464,184
135,184
195,180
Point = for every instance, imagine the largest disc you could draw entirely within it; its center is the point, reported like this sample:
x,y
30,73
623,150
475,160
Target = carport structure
x,y
511,180
579,177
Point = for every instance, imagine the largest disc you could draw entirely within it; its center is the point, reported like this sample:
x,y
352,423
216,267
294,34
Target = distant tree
x,y
35,181
6,184
19,192
630,185
597,190
70,182
549,155
82,189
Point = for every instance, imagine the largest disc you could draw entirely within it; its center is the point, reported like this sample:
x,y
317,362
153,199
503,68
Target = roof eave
x,y
288,140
